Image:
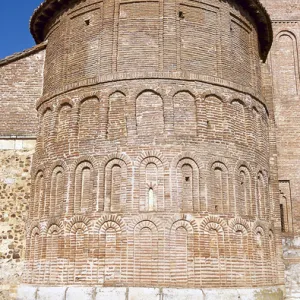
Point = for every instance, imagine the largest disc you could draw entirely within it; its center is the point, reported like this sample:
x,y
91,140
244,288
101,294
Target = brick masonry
x,y
164,155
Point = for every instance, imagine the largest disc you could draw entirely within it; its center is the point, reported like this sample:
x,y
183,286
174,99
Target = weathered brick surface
x,y
166,152
151,168
283,64
21,84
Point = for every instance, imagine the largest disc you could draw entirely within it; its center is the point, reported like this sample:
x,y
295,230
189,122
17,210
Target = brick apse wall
x,y
155,162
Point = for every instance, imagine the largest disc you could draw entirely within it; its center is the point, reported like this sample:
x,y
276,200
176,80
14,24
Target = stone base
x,y
26,292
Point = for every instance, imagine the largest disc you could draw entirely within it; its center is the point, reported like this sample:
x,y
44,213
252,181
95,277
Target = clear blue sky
x,y
14,25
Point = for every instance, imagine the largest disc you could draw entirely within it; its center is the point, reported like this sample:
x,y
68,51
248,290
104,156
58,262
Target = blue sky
x,y
14,25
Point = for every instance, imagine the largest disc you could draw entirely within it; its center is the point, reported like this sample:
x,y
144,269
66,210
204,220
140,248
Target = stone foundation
x,y
27,292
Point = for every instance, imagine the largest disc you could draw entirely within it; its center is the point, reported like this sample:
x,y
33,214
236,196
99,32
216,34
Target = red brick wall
x,y
20,87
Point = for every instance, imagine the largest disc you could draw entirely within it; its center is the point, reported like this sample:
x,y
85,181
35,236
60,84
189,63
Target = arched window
x,y
239,121
89,117
145,254
149,114
116,116
215,118
182,252
83,187
213,264
38,197
243,196
45,126
285,64
185,121
110,248
52,254
220,189
64,122
188,185
261,195
151,184
115,185
57,191
34,255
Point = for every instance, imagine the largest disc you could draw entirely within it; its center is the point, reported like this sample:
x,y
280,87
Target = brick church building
x,y
150,150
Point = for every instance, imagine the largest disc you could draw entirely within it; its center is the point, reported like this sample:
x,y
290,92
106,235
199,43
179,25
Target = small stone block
x,y
111,294
218,294
51,293
79,293
143,294
183,294
26,292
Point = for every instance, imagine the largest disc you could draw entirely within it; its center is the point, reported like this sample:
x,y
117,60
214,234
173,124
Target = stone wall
x,y
15,187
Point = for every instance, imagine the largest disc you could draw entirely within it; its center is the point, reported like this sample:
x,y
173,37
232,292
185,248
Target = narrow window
x,y
151,199
282,218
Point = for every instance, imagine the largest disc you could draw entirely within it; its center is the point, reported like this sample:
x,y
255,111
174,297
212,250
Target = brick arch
x,y
259,226
191,155
116,116
217,95
115,181
121,156
151,184
156,90
186,219
60,103
145,218
256,107
239,224
146,245
78,222
185,108
262,193
45,107
219,161
182,241
55,198
189,91
121,91
289,33
88,96
152,153
146,224
35,169
109,221
110,246
220,200
186,190
35,229
38,191
244,191
54,225
86,158
58,163
237,98
213,223
182,223
244,163
33,253
144,122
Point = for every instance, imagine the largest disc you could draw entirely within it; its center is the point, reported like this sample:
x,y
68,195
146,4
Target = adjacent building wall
x,y
283,64
21,81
